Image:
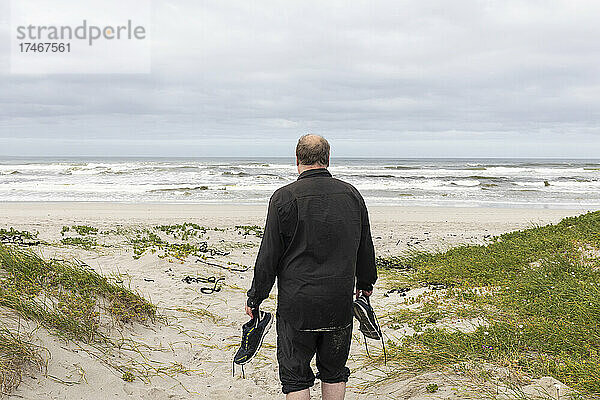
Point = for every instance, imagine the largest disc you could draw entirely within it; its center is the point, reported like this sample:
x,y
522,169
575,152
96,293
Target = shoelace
x,y
233,368
380,335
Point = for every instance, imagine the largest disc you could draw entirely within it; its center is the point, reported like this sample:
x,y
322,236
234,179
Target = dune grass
x,y
146,240
82,236
16,355
184,231
82,242
81,230
537,292
68,297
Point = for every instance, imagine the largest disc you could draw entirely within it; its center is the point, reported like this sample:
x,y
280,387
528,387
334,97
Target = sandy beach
x,y
189,349
142,143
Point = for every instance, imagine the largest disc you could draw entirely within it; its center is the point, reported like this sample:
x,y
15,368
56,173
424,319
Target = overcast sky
x,y
378,78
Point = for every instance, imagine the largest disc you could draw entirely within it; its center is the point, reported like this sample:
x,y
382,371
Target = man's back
x,y
318,235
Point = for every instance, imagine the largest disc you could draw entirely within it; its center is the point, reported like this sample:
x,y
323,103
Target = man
x,y
317,242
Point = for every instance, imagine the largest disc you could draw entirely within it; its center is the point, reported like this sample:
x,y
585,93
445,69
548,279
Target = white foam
x,y
427,181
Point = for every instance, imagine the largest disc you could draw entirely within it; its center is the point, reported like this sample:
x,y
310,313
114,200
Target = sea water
x,y
554,183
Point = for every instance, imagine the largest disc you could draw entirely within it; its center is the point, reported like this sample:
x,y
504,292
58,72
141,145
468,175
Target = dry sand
x,y
204,345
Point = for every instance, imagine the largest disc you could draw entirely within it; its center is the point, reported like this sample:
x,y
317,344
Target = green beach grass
x,y
16,355
535,291
68,298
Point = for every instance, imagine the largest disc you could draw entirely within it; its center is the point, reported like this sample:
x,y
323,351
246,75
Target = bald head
x,y
313,150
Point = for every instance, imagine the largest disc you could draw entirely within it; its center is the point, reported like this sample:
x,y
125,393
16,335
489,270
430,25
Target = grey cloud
x,y
413,77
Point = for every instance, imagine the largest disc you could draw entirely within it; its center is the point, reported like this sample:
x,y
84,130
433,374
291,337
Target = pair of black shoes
x,y
253,333
255,330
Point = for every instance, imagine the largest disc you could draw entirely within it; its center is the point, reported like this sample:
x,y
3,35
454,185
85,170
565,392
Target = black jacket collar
x,y
314,172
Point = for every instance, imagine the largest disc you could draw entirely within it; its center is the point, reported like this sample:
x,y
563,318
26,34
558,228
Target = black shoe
x,y
365,315
253,333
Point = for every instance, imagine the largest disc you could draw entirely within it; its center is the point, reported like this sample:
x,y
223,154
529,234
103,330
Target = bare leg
x,y
299,395
333,391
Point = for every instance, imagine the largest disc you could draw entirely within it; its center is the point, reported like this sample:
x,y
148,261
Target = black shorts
x,y
295,350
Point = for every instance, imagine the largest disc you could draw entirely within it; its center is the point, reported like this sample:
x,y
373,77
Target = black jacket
x,y
317,240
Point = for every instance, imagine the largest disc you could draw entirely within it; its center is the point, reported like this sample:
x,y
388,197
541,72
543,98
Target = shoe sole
x,y
361,315
262,337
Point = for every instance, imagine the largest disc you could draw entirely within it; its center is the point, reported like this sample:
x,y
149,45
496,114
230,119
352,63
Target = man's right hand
x,y
250,312
364,293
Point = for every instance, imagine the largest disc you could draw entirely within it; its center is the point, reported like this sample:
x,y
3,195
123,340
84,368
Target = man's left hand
x,y
367,293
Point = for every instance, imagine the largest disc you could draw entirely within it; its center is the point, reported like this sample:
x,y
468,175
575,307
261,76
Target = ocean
x,y
430,182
